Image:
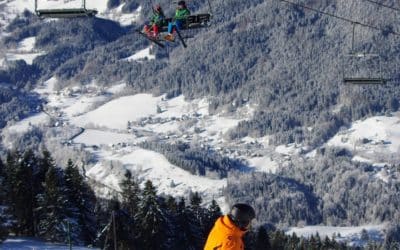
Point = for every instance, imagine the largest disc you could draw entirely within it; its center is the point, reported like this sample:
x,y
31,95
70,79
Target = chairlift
x,y
192,22
65,13
359,63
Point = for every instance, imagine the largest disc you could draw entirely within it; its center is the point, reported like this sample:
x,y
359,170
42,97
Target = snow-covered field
x,y
351,235
20,243
24,51
168,179
34,120
379,132
142,54
116,113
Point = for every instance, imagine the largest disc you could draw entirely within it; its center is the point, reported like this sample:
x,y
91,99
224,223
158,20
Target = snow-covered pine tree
x,y
45,162
118,230
198,219
81,200
278,240
19,186
130,194
4,215
151,220
212,214
53,207
183,230
392,239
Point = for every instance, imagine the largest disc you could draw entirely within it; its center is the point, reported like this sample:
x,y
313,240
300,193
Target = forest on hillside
x,y
282,58
63,207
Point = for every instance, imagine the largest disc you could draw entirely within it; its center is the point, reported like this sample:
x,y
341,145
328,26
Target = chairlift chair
x,y
65,13
366,76
192,22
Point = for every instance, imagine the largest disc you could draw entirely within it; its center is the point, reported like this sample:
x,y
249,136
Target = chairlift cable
x,y
341,18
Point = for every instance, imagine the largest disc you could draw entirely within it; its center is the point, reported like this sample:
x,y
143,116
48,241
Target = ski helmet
x,y
182,3
242,214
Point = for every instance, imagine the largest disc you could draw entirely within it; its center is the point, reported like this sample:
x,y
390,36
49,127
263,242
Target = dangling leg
x,y
170,27
169,36
178,25
146,29
155,30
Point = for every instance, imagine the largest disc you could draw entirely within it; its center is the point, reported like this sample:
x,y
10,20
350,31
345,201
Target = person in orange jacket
x,y
229,229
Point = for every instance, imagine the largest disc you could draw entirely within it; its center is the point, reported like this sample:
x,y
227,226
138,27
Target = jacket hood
x,y
225,224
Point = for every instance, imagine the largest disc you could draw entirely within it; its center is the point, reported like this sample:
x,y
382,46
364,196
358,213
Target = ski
x,y
151,39
181,38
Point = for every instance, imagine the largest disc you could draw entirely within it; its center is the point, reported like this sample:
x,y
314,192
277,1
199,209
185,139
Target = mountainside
x,y
262,52
260,90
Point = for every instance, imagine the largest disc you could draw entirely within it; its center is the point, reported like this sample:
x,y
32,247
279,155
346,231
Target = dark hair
x,y
182,3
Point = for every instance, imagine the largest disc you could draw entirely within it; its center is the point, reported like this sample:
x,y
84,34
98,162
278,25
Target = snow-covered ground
x,y
379,132
142,54
351,235
116,113
168,179
263,164
92,137
24,51
21,243
34,120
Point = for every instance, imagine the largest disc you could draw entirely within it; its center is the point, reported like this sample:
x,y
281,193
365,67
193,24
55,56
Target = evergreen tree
x,y
171,204
53,207
19,188
327,243
392,239
45,162
278,240
81,202
151,220
130,202
28,166
212,214
186,230
9,182
4,217
130,194
118,233
262,240
195,200
198,219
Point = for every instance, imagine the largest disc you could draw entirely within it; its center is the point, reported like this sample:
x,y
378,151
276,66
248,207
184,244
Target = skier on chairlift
x,y
182,12
156,21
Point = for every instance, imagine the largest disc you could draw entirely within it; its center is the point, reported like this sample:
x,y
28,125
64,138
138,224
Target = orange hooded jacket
x,y
225,236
